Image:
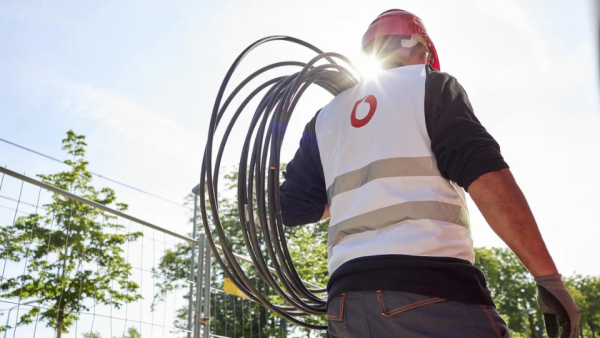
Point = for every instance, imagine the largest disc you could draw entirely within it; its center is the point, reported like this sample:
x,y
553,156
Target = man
x,y
388,160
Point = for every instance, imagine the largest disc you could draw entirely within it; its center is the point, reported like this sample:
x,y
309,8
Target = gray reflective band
x,y
390,167
381,218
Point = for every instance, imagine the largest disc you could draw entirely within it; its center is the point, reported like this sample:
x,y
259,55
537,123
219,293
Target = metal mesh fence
x,y
20,201
50,261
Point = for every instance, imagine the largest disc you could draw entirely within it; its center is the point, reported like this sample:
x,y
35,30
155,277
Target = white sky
x,y
138,78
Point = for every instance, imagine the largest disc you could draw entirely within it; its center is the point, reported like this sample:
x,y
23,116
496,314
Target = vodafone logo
x,y
356,122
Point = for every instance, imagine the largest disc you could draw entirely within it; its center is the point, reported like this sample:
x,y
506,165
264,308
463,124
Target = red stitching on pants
x,y
405,307
341,316
492,320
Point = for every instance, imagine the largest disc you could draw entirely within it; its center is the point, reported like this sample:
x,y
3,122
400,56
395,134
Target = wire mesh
x,y
92,310
115,310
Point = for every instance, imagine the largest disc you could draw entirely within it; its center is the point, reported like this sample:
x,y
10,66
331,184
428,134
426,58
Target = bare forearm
x,y
505,208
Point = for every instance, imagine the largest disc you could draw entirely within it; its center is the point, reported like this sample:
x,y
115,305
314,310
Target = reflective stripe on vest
x,y
381,218
389,167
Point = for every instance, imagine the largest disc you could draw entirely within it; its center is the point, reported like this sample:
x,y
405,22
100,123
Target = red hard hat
x,y
400,22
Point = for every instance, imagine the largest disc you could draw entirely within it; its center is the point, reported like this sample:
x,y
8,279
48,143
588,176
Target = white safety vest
x,y
386,194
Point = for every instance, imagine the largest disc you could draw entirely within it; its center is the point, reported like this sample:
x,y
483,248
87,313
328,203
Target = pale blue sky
x,y
139,78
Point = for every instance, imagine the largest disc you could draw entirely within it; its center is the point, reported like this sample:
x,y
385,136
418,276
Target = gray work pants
x,y
382,314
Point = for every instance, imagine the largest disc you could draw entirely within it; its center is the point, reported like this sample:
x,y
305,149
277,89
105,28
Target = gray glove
x,y
558,307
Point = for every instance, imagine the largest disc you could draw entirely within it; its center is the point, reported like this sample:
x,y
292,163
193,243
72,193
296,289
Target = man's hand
x,y
558,307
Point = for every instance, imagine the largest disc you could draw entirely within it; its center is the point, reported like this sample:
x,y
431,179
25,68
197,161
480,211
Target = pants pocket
x,y
336,321
391,305
419,316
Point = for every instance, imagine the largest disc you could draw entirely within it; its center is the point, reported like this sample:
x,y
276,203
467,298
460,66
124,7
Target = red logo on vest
x,y
372,101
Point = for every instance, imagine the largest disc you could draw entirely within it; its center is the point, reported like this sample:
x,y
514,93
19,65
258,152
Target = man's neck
x,y
391,64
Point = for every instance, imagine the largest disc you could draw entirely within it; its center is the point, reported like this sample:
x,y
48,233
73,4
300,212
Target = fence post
x,y
207,293
198,309
191,278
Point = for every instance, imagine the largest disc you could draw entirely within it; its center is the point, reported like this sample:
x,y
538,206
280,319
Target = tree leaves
x,y
586,293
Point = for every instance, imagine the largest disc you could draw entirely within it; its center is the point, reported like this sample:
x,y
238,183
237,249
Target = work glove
x,y
558,307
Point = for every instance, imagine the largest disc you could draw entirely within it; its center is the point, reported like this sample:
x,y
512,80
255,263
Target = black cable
x,y
258,179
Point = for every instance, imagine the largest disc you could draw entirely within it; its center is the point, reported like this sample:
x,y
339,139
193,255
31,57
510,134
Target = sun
x,y
368,67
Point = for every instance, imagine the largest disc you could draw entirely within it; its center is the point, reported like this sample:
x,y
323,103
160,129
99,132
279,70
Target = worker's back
x,y
385,191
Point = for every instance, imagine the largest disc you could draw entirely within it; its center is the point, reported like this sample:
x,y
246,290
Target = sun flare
x,y
368,67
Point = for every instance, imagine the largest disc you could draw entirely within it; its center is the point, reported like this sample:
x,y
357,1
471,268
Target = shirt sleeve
x,y
463,148
303,194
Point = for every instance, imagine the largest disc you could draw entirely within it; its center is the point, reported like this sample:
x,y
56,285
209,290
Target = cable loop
x,y
258,178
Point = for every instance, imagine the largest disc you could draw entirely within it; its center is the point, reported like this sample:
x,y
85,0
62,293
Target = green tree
x,y
586,292
72,253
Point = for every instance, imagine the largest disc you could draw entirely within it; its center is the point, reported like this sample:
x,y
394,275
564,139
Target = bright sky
x,y
138,78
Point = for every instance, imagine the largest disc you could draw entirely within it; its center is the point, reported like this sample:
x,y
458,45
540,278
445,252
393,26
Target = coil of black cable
x,y
258,177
